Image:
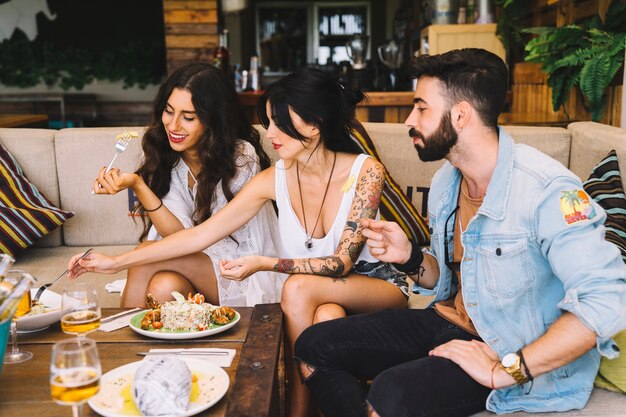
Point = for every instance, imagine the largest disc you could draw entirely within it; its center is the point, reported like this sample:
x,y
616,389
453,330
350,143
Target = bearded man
x,y
526,297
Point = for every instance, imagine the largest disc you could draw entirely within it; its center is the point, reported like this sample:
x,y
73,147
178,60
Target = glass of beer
x,y
74,373
81,310
16,355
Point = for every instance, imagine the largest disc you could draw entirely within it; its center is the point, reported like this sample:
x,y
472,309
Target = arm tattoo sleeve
x,y
330,266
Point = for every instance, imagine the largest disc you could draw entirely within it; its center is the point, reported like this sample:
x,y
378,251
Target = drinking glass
x,y
16,355
6,261
74,373
81,309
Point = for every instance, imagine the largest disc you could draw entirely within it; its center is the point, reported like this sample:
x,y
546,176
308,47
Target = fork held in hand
x,y
46,286
120,146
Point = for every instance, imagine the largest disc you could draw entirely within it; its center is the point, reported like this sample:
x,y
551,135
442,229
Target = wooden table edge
x,y
259,361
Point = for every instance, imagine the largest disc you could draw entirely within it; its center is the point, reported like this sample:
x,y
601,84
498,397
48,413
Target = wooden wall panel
x,y
532,99
191,31
565,12
189,5
191,41
190,16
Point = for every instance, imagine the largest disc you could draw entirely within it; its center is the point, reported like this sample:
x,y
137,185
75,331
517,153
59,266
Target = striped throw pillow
x,y
605,187
394,204
26,215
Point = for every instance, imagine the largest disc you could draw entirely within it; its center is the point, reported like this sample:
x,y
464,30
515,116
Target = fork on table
x,y
123,140
46,286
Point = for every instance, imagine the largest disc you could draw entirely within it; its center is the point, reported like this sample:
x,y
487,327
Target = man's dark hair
x,y
474,75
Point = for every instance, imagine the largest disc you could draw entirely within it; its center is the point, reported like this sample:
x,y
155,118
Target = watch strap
x,y
518,375
516,371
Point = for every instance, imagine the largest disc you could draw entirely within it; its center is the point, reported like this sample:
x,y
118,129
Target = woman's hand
x,y
94,262
240,268
114,181
386,241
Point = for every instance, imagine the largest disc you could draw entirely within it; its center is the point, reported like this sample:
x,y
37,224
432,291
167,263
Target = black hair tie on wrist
x,y
154,209
523,361
412,266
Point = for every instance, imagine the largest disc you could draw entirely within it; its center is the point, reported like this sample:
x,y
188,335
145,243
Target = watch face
x,y
509,360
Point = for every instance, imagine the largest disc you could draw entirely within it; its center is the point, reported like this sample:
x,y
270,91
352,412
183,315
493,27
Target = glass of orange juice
x,y
16,355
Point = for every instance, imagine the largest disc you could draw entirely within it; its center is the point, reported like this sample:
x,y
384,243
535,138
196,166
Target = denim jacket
x,y
528,258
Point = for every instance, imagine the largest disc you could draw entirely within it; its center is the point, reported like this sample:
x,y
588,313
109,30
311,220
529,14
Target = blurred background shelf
x,y
24,120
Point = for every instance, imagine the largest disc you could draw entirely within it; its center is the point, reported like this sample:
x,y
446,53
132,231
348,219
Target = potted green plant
x,y
587,56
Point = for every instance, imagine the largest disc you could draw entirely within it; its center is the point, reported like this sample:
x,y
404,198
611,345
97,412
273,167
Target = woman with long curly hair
x,y
199,151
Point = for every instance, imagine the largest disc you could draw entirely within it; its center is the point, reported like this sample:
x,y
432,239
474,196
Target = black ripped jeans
x,y
392,348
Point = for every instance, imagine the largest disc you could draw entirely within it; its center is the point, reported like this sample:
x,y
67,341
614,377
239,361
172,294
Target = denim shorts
x,y
383,270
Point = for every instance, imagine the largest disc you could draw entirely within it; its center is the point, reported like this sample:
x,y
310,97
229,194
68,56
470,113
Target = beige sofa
x,y
63,164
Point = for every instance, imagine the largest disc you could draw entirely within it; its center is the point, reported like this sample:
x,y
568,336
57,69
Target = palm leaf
x,y
561,83
593,82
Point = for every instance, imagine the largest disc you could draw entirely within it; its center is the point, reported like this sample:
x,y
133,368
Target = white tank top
x,y
292,233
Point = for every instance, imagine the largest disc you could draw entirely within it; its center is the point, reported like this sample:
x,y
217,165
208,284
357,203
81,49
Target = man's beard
x,y
437,146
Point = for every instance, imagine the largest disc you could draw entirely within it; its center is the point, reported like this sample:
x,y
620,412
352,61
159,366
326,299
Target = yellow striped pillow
x,y
26,215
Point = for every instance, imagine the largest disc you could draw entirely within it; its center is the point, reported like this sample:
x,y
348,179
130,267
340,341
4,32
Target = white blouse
x,y
257,237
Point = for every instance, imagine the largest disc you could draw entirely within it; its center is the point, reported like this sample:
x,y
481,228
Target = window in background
x,y
293,34
336,25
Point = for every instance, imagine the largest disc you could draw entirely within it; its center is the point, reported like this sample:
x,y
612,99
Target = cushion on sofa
x,y
591,142
26,215
34,151
394,204
100,219
605,187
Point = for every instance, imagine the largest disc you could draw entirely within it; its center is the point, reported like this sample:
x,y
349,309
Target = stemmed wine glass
x,y
81,309
16,277
74,373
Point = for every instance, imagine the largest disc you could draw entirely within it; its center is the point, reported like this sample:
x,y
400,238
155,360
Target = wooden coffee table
x,y
256,374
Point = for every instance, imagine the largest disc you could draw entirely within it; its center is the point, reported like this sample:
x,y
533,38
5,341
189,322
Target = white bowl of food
x,y
46,312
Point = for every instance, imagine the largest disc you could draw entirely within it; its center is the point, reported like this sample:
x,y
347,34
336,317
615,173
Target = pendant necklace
x,y
308,243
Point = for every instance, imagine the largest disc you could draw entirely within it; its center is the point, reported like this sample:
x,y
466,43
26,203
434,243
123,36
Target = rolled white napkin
x,y
115,286
117,321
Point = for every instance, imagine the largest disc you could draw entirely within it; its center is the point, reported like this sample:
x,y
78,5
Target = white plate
x,y
50,300
212,382
164,334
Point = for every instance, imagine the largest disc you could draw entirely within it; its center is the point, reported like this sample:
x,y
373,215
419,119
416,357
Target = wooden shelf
x,y
24,120
436,39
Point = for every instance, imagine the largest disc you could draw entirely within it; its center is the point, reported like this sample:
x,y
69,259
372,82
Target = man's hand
x,y
477,359
386,241
94,262
240,268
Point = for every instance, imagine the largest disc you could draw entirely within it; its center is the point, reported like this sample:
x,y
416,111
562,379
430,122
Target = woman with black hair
x,y
322,186
199,151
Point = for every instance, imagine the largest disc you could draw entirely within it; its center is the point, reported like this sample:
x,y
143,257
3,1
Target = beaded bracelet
x,y
155,209
412,266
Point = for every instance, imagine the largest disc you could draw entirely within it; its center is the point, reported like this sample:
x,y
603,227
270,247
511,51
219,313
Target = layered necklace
x,y
308,243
